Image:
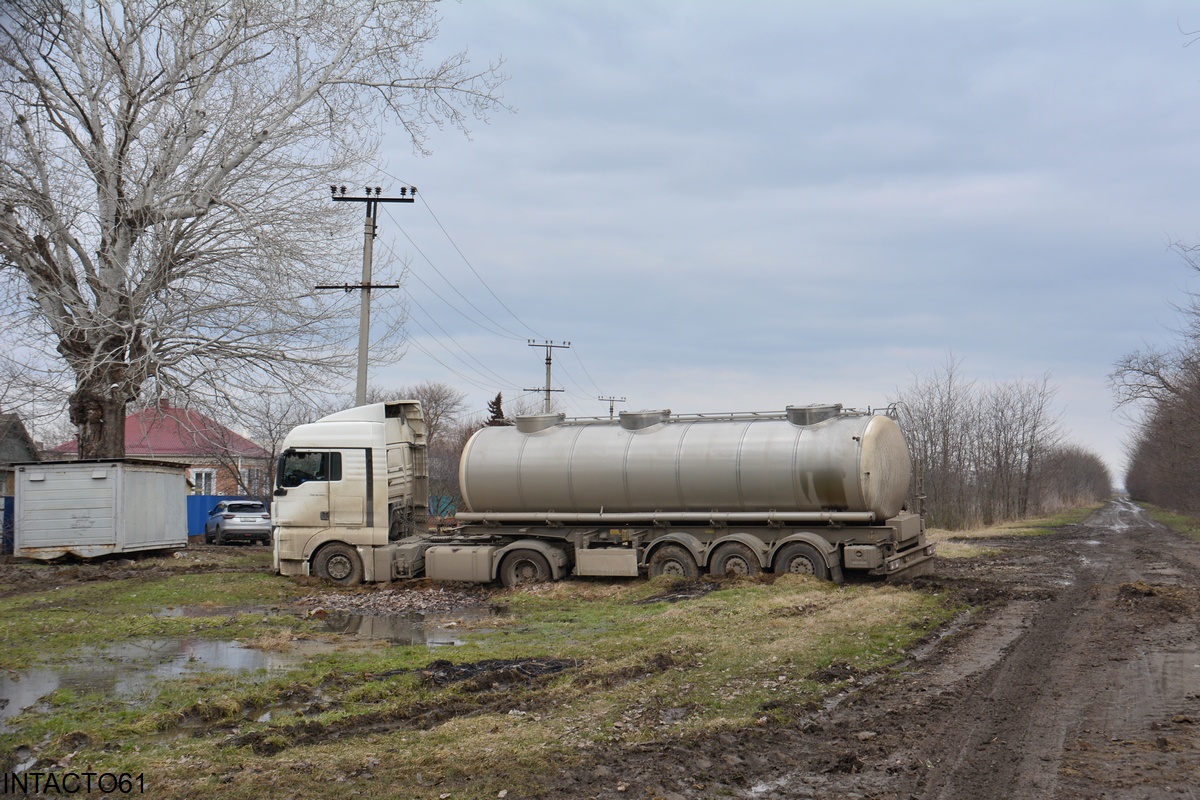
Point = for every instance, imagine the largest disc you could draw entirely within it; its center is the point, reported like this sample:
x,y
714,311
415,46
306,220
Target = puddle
x,y
433,629
129,670
133,669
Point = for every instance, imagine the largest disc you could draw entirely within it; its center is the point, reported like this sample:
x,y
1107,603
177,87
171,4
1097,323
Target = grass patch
x,y
57,623
951,545
1182,523
1036,526
576,666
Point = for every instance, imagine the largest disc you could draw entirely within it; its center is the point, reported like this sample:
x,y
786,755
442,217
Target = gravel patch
x,y
383,602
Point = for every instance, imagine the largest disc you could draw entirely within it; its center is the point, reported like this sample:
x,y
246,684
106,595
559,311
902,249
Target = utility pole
x,y
338,195
611,400
549,345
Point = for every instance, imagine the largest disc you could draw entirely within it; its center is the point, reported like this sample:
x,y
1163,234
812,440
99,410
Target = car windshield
x,y
246,508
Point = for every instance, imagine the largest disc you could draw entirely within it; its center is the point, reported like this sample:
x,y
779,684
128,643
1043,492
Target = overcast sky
x,y
740,207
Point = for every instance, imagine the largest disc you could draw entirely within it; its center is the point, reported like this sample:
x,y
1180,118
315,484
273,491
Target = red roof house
x,y
220,461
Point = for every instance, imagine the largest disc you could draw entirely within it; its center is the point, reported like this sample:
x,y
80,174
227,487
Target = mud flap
x,y
909,564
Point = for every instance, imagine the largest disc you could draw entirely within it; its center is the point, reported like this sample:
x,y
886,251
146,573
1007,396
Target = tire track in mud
x,y
1008,734
1097,696
1079,678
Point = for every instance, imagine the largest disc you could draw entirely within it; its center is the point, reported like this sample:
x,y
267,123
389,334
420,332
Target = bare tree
x,y
987,454
443,407
441,404
159,228
1160,390
267,418
530,404
1072,477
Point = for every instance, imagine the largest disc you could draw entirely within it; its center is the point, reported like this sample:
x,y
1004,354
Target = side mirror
x,y
280,492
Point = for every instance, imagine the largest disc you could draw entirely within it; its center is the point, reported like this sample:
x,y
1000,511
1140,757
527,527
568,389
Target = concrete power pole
x,y
611,400
339,195
549,345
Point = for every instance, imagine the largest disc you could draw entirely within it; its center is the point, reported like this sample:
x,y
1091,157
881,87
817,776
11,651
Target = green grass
x,y
1177,522
55,624
364,721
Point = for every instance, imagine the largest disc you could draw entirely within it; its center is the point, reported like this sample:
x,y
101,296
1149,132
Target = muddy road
x,y
1078,678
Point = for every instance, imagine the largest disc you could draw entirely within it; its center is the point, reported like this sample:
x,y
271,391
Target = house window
x,y
204,481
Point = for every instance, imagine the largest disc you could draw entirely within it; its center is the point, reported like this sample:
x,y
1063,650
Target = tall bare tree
x,y
1160,390
161,225
441,404
992,453
446,434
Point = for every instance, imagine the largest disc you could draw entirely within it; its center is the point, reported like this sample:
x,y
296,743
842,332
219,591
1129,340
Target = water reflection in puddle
x,y
130,670
432,629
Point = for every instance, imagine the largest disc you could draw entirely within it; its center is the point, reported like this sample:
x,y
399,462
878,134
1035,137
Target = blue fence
x,y
199,506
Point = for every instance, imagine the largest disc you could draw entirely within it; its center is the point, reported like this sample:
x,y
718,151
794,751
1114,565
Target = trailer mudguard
x,y
694,546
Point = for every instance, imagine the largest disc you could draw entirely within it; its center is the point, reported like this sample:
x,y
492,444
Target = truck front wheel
x,y
674,560
340,563
799,558
524,566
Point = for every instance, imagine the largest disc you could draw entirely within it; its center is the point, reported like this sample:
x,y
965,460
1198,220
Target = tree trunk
x,y
98,411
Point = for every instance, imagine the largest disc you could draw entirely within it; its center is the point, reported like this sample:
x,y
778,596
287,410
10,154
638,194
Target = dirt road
x,y
1080,679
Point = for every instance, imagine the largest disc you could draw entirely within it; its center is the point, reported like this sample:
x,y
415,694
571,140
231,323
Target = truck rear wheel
x,y
340,563
675,560
524,566
734,558
799,558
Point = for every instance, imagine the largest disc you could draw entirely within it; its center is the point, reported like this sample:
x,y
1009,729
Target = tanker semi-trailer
x,y
816,490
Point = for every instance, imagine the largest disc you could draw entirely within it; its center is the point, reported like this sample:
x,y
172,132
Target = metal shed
x,y
99,507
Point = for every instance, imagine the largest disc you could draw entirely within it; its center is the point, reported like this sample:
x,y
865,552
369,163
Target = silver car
x,y
238,521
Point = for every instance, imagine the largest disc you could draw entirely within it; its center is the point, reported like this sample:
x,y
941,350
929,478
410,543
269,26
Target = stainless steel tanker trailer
x,y
815,490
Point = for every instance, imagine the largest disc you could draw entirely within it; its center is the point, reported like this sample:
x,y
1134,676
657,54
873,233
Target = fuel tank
x,y
806,458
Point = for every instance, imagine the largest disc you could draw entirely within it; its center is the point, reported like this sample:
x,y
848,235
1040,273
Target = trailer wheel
x,y
674,560
734,558
524,566
799,558
338,562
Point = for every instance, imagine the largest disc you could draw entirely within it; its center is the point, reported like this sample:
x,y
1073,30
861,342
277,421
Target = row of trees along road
x,y
989,454
1161,389
164,213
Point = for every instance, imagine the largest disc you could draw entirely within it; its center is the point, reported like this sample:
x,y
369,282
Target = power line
x,y
472,267
478,310
500,330
433,320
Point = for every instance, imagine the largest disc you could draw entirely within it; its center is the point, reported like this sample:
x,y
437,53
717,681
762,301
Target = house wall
x,y
220,477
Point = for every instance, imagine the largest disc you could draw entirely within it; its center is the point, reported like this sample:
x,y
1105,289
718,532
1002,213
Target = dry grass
x,y
953,544
275,641
650,663
960,543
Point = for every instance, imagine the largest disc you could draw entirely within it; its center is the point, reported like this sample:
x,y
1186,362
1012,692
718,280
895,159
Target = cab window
x,y
301,466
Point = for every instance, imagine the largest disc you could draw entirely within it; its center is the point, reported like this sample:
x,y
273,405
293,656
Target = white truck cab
x,y
348,488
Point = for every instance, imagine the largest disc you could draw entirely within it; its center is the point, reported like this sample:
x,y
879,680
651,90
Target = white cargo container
x,y
100,507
